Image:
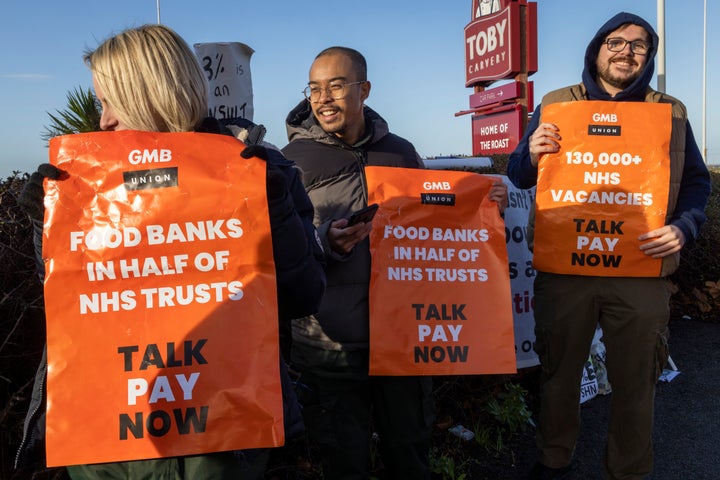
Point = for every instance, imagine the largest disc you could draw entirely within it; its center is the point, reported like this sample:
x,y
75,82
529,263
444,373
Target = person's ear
x,y
365,90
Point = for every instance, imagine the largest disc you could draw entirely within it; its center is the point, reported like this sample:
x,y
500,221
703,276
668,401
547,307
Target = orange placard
x,y
160,297
440,301
607,185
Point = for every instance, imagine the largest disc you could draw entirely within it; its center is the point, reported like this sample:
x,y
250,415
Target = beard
x,y
620,82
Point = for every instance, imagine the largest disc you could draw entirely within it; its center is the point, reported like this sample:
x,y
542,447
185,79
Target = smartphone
x,y
364,215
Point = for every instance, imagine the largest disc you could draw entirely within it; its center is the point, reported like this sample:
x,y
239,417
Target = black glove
x,y
276,185
32,196
255,151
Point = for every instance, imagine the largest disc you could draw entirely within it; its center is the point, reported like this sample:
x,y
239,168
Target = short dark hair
x,y
357,59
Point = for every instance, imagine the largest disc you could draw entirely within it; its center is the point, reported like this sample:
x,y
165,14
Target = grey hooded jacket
x,y
334,178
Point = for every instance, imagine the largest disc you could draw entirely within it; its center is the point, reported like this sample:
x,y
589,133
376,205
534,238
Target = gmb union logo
x,y
160,177
447,199
605,130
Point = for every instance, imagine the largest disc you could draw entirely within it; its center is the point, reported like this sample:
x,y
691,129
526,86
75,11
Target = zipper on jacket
x,y
361,157
29,434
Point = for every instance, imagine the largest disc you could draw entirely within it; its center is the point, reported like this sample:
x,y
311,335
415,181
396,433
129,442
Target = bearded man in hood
x,y
632,311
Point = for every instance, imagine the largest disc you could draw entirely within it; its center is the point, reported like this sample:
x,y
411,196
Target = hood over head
x,y
637,89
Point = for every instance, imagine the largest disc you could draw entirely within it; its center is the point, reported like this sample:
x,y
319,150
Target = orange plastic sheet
x,y
607,185
440,301
160,297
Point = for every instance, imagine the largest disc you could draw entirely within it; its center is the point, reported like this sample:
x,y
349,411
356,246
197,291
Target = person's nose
x,y
325,96
107,121
628,47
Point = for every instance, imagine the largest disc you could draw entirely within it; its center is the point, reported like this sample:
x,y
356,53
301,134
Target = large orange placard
x,y
440,301
607,185
160,297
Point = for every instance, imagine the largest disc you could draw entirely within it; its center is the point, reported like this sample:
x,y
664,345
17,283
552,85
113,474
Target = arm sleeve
x,y
520,170
695,186
37,226
297,252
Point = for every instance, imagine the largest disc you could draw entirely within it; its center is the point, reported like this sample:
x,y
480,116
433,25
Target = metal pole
x,y
661,47
157,3
704,87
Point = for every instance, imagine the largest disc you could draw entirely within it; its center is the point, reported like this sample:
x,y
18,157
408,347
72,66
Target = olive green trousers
x,y
633,314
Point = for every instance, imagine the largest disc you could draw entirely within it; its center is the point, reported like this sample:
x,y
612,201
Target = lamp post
x,y
704,87
661,46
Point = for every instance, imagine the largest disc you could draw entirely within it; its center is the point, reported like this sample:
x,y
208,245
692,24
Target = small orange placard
x,y
440,301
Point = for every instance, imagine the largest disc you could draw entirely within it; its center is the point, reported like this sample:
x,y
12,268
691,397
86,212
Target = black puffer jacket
x,y
334,178
299,259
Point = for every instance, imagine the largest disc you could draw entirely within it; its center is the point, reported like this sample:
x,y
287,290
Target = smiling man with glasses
x,y
633,311
333,136
336,93
623,59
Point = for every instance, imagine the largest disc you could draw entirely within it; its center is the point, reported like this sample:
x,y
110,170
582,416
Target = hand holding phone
x,y
364,215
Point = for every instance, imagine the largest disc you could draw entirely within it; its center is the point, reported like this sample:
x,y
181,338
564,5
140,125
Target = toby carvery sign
x,y
606,186
160,294
492,41
439,289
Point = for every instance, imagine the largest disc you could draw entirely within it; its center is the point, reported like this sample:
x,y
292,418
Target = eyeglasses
x,y
638,47
336,91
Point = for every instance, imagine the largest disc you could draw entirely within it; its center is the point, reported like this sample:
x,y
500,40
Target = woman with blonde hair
x,y
150,78
147,78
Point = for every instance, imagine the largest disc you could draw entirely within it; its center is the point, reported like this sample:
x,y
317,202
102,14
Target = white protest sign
x,y
589,383
522,274
227,66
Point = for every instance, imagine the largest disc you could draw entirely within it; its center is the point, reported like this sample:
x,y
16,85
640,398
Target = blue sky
x,y
415,53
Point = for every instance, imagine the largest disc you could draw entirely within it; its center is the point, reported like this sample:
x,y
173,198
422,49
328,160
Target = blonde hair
x,y
151,78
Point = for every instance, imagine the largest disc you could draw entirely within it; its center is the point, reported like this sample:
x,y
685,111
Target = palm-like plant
x,y
82,115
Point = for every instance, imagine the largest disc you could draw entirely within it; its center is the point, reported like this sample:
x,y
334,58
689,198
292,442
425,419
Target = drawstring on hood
x,y
636,91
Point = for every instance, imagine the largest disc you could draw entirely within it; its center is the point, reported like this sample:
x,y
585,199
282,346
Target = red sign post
x,y
494,97
500,43
492,46
499,132
504,93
